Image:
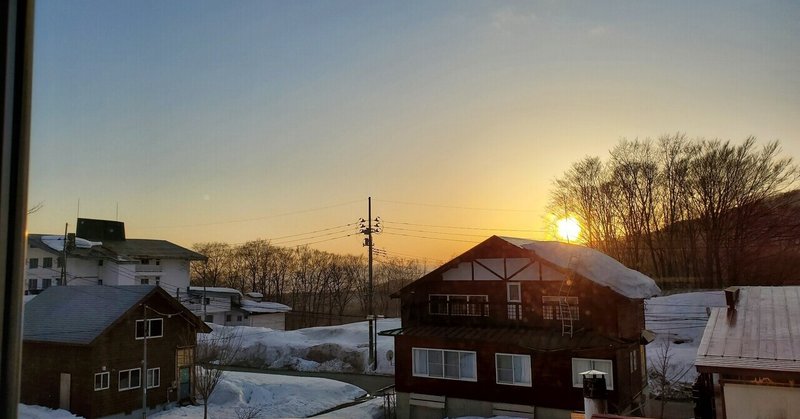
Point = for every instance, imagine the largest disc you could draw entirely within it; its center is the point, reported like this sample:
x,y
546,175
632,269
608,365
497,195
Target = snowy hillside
x,y
679,319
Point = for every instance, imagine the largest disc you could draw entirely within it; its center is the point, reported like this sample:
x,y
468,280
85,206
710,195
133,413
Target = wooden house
x,y
84,349
507,327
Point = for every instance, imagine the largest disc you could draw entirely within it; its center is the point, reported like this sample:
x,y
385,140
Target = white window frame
x,y
128,373
107,376
526,358
426,374
149,326
514,304
153,377
634,355
577,379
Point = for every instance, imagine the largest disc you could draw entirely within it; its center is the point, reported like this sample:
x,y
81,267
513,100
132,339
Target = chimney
x,y
732,297
595,398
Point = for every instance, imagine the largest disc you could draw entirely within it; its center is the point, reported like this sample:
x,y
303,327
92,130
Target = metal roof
x,y
78,314
536,340
128,250
762,333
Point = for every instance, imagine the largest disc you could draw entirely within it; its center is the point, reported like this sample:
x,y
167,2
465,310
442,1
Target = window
x,y
46,282
99,282
551,310
458,305
514,301
513,369
130,379
227,317
439,363
158,280
144,281
238,318
155,328
145,261
60,261
158,262
101,380
185,356
210,318
100,262
580,365
47,263
33,263
153,377
33,284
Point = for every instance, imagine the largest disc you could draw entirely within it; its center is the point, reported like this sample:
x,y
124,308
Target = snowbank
x,y
275,396
39,412
264,307
325,349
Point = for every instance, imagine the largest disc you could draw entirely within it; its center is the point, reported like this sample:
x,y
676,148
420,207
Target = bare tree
x,y
215,270
213,351
666,375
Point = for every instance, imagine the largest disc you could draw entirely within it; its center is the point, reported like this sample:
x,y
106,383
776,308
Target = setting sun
x,y
568,228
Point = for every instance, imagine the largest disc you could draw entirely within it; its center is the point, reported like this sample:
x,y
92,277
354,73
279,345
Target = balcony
x,y
461,313
149,268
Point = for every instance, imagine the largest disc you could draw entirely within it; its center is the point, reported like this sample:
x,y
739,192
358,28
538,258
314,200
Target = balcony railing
x,y
455,313
149,268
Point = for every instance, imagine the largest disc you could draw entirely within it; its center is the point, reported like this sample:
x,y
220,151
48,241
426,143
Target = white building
x,y
227,306
102,255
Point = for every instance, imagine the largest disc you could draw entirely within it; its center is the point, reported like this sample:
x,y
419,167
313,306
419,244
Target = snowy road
x,y
370,383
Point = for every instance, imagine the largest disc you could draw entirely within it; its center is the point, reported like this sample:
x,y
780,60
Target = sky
x,y
198,121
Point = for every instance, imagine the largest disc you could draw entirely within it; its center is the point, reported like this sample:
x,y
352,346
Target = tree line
x,y
688,208
311,281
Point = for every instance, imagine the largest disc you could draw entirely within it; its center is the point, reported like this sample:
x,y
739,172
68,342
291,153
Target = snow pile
x,y
371,409
57,243
274,396
325,349
221,290
38,412
264,307
593,265
680,320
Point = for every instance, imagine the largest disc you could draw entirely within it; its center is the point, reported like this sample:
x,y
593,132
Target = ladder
x,y
567,321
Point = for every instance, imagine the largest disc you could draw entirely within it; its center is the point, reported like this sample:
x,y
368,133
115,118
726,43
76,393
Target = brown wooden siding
x,y
117,349
551,375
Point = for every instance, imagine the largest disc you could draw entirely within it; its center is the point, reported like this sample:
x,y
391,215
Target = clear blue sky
x,y
230,121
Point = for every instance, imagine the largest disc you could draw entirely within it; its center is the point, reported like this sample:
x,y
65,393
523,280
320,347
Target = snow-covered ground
x,y
275,396
679,319
39,412
330,349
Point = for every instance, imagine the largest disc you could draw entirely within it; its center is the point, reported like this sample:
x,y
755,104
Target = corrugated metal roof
x,y
129,250
536,340
78,314
763,333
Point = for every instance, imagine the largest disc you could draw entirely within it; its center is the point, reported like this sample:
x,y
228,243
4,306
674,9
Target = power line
x,y
467,228
432,238
244,220
456,207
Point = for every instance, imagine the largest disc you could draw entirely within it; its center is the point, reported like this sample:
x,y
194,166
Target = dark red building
x,y
84,346
506,328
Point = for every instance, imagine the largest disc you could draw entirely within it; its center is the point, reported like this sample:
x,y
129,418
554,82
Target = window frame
x,y
444,364
577,379
33,263
107,375
149,328
551,305
47,263
513,380
129,374
155,373
470,306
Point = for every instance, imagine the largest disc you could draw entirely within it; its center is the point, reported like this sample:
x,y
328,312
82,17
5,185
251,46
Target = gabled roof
x,y
591,264
762,333
79,314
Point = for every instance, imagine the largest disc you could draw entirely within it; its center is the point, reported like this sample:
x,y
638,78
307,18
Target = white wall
x,y
748,401
275,321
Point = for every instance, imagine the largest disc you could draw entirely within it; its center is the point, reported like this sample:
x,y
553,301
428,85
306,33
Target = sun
x,y
568,228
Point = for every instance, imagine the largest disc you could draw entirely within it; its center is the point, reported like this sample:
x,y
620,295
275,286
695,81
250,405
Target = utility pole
x,y
64,257
368,230
143,375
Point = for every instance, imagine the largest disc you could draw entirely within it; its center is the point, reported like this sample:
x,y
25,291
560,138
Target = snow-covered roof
x,y
592,265
57,243
221,290
264,307
253,294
